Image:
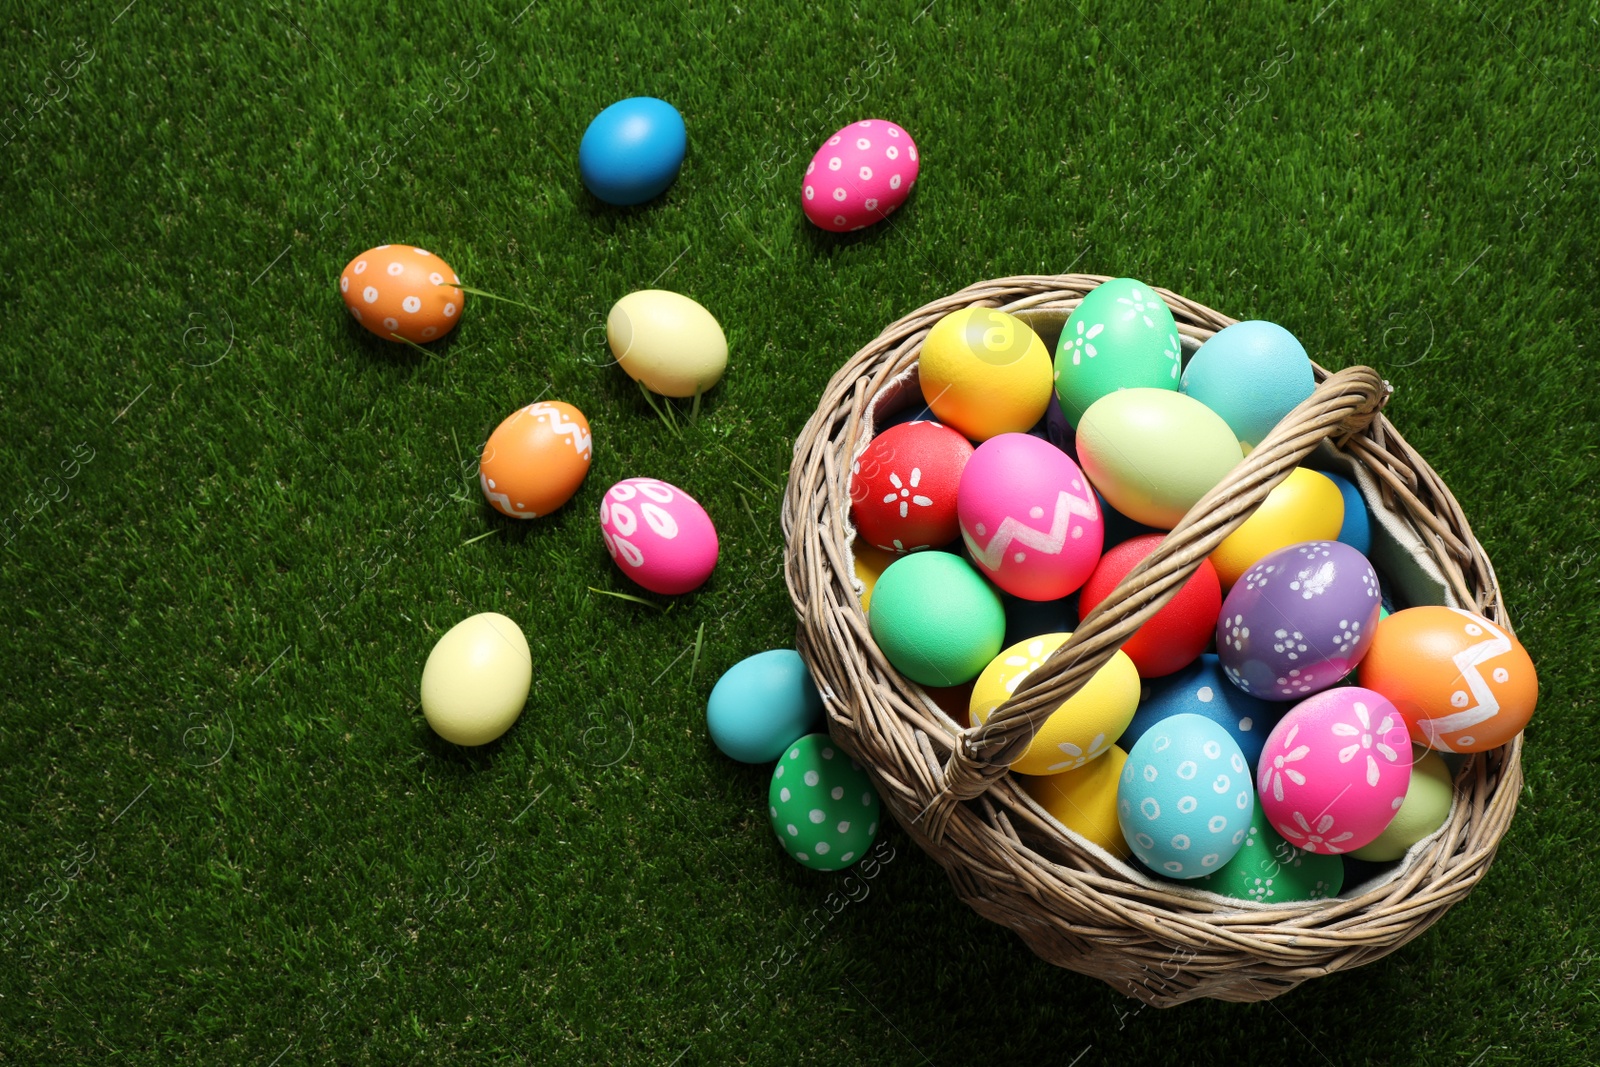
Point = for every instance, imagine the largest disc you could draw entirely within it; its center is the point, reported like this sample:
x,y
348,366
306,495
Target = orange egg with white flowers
x,y
402,292
1460,682
536,459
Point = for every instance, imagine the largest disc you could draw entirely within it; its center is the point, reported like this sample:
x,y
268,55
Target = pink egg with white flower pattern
x,y
1029,517
1335,770
658,535
859,176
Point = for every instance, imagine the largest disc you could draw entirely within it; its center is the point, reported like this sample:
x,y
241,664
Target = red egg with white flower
x,y
903,487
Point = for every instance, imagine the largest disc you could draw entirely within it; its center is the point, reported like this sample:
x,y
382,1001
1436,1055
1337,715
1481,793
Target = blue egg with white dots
x,y
1202,689
1252,374
1357,529
632,150
1186,797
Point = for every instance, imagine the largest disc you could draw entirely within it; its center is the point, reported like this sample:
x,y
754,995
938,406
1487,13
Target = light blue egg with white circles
x,y
1202,689
1186,797
1252,374
1357,529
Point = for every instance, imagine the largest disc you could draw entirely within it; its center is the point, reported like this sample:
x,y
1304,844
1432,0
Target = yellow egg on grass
x,y
1084,726
667,342
476,679
984,372
1305,506
1085,800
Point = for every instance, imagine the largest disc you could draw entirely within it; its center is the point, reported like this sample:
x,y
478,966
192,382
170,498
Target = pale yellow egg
x,y
667,341
476,679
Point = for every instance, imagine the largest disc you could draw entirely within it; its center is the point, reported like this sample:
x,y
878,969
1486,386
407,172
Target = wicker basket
x,y
947,786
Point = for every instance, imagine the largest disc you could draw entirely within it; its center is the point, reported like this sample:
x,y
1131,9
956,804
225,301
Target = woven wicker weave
x,y
1073,905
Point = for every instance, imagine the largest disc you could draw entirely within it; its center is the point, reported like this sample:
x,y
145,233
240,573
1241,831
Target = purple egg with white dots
x,y
1298,620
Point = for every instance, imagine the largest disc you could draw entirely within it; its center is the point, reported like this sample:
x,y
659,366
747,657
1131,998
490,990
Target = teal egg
x,y
1252,374
822,805
1122,336
936,620
762,705
1357,529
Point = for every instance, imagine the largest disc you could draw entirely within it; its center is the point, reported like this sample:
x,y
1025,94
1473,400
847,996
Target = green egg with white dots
x,y
1269,870
822,805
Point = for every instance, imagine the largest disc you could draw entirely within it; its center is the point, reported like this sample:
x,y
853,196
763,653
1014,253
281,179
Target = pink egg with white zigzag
x,y
1029,518
1335,770
658,535
860,175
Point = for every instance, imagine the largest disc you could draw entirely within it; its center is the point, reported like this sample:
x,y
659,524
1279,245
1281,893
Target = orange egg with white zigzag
x,y
536,459
1461,682
401,291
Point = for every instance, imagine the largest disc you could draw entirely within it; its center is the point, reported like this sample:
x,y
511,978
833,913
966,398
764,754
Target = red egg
x,y
1176,635
903,488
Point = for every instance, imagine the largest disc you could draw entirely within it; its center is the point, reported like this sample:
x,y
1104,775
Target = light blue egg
x,y
1252,374
762,705
1357,529
632,150
1202,689
1186,797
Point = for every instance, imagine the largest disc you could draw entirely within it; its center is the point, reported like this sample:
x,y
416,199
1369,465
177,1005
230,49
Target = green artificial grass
x,y
239,522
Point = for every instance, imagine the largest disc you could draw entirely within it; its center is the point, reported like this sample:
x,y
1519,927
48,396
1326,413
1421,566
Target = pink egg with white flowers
x,y
860,175
1029,517
658,535
1335,770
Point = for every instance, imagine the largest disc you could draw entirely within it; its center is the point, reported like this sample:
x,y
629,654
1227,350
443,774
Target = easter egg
x,y
869,562
1299,620
1184,800
860,175
903,487
935,619
985,373
1335,770
1425,808
1084,800
1356,530
1269,870
1154,453
1252,374
632,150
1460,682
762,705
1305,506
476,679
658,535
1202,689
1028,517
1121,336
536,459
667,342
1082,727
1177,633
401,291
822,805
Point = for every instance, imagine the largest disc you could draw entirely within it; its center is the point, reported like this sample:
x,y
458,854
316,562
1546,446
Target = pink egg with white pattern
x,y
658,535
1335,770
1029,517
859,176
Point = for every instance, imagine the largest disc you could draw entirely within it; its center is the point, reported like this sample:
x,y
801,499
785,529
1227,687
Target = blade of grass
x,y
480,537
626,596
413,344
694,664
490,296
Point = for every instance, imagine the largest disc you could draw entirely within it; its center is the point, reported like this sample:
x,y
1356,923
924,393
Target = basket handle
x,y
1343,405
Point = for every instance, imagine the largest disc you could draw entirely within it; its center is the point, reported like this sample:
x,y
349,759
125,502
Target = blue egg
x,y
762,705
1357,529
1202,689
1252,374
1186,797
632,150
